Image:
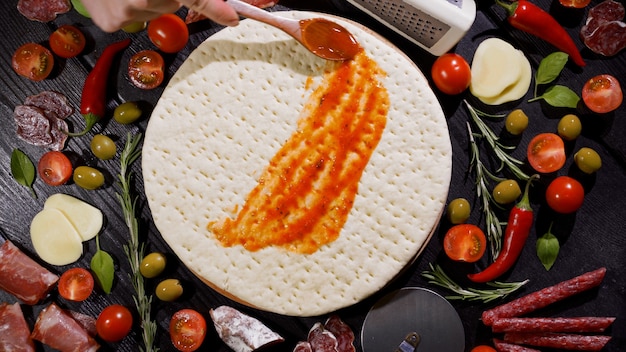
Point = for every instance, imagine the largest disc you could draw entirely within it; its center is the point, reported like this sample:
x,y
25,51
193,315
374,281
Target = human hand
x,y
111,15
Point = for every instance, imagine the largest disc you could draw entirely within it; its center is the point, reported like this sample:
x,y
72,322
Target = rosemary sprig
x,y
134,249
494,142
437,276
483,175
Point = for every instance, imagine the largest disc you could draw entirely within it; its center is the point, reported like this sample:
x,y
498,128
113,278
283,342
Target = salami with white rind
x,y
604,31
43,10
558,340
343,333
241,332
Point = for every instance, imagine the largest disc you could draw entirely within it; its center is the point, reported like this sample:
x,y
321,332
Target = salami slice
x,y
577,324
23,277
32,125
322,340
43,10
544,297
558,340
343,333
14,331
604,32
53,104
241,332
502,346
303,346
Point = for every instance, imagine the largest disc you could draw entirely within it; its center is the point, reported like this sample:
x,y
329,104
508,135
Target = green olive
x,y
103,147
127,113
588,160
459,211
152,265
135,27
516,122
506,192
88,178
169,290
569,127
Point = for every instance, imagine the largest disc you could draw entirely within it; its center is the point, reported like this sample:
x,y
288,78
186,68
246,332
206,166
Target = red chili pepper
x,y
531,19
516,233
93,98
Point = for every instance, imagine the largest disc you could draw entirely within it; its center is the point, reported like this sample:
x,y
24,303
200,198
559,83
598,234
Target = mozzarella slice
x,y
518,89
54,238
86,219
495,68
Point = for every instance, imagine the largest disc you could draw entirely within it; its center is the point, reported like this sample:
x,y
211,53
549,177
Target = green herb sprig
x,y
135,249
549,69
438,277
23,170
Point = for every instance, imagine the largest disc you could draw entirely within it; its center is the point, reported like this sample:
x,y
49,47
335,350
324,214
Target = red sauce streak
x,y
328,39
304,196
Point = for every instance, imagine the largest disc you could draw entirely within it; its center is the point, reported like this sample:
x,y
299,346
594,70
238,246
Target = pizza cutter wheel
x,y
413,309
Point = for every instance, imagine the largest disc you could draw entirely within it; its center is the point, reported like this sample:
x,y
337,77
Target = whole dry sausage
x,y
577,324
502,346
559,340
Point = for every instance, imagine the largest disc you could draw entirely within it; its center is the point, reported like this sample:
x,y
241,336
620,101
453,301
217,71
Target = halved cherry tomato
x,y
577,4
54,168
67,41
187,330
451,73
602,94
33,61
483,348
565,195
465,243
114,323
546,152
168,32
76,284
145,69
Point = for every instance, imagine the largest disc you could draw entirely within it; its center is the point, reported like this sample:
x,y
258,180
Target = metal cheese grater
x,y
435,25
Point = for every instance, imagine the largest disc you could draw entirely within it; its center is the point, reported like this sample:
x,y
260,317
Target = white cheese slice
x,y
86,219
54,238
495,67
518,89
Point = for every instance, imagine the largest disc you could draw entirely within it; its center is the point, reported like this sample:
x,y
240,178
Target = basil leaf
x,y
561,97
547,249
550,67
104,269
23,170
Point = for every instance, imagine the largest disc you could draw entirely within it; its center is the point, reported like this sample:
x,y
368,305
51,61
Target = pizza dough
x,y
223,116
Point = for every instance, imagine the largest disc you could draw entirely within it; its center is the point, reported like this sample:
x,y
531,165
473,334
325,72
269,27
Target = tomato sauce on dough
x,y
304,196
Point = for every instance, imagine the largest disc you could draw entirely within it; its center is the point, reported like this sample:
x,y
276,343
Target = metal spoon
x,y
322,37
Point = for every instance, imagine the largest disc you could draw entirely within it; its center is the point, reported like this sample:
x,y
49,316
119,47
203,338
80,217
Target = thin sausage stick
x,y
502,346
575,324
556,340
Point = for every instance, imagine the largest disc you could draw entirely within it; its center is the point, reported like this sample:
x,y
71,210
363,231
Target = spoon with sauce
x,y
320,36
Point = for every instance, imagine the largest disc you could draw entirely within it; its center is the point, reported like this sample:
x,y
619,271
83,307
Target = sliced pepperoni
x,y
322,340
15,334
559,340
577,324
43,10
54,104
343,333
32,125
23,277
502,346
544,297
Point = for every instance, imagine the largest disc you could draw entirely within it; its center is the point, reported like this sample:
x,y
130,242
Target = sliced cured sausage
x,y
57,329
43,10
558,340
604,32
53,104
241,332
41,119
14,331
577,324
23,277
303,346
502,346
32,125
343,333
322,340
544,297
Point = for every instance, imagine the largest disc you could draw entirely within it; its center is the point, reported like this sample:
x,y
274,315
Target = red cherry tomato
x,y
546,152
465,243
76,284
114,323
67,41
451,73
577,4
54,168
565,195
187,330
483,348
602,94
33,61
145,69
168,32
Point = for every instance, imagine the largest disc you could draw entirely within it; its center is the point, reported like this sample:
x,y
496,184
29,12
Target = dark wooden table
x,y
591,238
